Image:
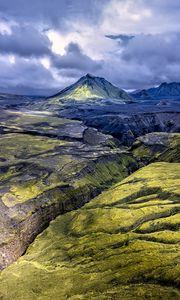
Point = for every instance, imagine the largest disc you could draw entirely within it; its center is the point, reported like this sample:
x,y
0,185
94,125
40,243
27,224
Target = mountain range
x,y
91,87
165,91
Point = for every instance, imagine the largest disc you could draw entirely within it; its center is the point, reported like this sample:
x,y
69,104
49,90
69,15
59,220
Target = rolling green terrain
x,y
83,217
124,244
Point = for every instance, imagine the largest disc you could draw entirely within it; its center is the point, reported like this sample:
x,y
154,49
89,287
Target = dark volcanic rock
x,y
127,128
123,121
91,136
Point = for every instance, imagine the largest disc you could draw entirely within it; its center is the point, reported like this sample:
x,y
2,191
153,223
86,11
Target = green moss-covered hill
x,y
91,87
124,244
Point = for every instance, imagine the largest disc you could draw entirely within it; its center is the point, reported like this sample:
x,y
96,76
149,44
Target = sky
x,y
46,45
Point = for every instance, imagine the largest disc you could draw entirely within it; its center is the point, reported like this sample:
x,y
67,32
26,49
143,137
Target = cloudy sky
x,y
46,45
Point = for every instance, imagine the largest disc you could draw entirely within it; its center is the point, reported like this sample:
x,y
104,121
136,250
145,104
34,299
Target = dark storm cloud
x,y
25,77
25,41
75,59
123,39
154,50
71,74
147,60
128,57
50,12
158,55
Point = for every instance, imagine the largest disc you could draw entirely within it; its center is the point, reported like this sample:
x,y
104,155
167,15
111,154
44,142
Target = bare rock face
x,y
127,128
92,137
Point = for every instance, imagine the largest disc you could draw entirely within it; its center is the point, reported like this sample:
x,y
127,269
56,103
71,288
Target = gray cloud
x,y
154,50
147,60
75,59
50,12
122,39
26,77
25,41
147,56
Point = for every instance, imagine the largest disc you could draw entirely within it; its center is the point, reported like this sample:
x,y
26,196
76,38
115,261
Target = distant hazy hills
x,y
91,87
9,99
166,91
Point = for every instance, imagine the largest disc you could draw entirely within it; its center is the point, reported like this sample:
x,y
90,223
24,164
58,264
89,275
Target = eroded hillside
x,y
49,166
124,244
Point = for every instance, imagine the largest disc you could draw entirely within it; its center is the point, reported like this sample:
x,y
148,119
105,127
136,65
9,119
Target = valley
x,y
89,193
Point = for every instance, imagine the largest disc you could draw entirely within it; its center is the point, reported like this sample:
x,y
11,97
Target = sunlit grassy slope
x,y
124,244
91,87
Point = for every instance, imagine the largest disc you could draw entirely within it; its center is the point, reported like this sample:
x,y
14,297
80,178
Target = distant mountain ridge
x,y
166,91
91,87
7,100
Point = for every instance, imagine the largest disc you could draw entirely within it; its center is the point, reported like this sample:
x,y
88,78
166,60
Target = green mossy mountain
x,y
91,87
123,244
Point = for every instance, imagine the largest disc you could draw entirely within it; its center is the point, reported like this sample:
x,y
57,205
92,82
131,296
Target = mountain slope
x,y
90,87
121,245
164,91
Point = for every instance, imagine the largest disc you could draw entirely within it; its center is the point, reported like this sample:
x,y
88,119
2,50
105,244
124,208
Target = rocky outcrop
x,y
127,128
124,122
123,244
155,146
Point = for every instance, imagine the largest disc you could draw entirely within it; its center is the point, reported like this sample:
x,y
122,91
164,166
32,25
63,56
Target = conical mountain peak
x,y
88,75
91,87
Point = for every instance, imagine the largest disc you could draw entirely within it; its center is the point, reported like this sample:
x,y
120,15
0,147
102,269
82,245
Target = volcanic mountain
x,y
166,91
91,87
